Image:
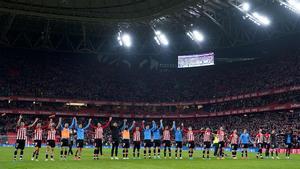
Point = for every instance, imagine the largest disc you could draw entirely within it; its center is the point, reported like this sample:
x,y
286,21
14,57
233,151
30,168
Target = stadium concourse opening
x,y
150,84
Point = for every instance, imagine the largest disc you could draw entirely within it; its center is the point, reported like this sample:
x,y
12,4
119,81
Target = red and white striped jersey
x,y
221,135
21,133
99,133
207,136
259,138
190,136
38,134
234,138
268,138
51,134
166,135
137,135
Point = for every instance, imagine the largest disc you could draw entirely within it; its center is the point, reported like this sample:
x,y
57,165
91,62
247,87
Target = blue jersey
x,y
148,133
245,138
81,131
178,135
288,139
157,132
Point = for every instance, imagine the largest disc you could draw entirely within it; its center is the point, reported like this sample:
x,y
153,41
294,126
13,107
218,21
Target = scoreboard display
x,y
198,60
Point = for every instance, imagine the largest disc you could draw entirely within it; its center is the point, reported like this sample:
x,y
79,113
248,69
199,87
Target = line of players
x,y
153,135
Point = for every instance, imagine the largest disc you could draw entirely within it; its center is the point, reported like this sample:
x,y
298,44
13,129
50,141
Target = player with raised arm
x,y
178,139
167,141
80,130
147,138
207,137
191,139
157,140
98,138
221,137
51,137
21,136
274,144
245,140
115,138
259,140
137,142
38,137
126,138
234,139
65,136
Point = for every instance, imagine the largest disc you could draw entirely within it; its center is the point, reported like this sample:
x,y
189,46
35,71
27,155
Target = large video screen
x,y
198,60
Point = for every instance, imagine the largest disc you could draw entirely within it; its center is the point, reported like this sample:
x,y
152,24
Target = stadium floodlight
x,y
261,19
124,39
161,38
245,6
195,35
253,16
293,5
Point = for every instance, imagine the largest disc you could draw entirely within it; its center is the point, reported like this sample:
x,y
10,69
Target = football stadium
x,y
150,84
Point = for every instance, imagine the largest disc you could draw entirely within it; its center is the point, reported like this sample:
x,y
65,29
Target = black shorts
x,y
20,144
115,142
71,143
79,143
64,142
178,144
207,144
191,144
51,143
38,143
221,144
147,143
260,145
98,143
157,143
245,145
234,147
289,145
273,146
126,143
267,145
137,144
167,143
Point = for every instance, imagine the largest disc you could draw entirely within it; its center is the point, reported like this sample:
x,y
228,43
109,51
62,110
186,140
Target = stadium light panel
x,y
293,5
124,39
161,39
196,35
261,19
245,6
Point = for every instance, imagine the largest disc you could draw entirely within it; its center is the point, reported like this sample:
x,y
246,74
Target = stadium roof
x,y
91,25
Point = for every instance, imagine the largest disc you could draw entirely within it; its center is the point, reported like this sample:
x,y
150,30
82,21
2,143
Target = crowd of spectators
x,y
255,102
85,78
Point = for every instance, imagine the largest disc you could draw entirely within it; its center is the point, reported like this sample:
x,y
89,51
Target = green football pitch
x,y
87,162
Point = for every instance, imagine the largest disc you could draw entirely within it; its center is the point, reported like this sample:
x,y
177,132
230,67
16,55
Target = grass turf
x,y
87,162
